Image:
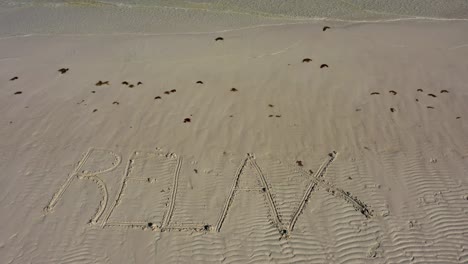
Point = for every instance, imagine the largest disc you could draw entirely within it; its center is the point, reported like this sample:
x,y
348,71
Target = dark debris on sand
x,y
100,83
63,70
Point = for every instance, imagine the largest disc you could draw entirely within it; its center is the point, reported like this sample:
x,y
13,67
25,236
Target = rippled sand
x,y
229,133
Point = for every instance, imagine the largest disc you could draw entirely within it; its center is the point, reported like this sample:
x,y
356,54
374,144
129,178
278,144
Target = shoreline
x,y
336,24
70,19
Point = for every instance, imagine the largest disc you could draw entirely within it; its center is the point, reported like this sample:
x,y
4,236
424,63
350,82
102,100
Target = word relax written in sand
x,y
151,184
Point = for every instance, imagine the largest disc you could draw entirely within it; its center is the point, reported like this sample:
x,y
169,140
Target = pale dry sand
x,y
81,186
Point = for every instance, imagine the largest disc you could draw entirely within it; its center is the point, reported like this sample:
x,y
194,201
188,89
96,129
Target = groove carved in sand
x,y
160,175
92,174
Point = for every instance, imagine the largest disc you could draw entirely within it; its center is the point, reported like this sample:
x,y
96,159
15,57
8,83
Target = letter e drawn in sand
x,y
147,193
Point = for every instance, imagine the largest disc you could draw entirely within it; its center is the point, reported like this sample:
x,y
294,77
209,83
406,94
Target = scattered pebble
x,y
14,78
18,92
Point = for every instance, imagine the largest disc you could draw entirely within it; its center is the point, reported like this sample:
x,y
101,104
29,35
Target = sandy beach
x,y
233,136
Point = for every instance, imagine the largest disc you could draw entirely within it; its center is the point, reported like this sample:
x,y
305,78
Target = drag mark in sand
x,y
309,190
122,187
228,202
64,187
85,174
266,190
458,47
168,216
103,204
316,182
150,177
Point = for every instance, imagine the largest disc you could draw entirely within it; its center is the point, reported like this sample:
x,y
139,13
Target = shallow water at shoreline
x,y
30,17
299,9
